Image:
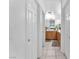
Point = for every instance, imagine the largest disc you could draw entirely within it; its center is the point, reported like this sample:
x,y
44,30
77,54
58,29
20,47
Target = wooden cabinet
x,y
53,35
58,36
50,35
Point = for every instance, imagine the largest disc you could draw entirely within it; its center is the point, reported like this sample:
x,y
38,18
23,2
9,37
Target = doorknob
x,y
28,40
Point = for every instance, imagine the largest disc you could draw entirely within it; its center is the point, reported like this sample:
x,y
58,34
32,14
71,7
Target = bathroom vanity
x,y
53,35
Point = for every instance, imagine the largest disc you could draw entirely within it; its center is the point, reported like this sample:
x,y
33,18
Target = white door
x,y
31,35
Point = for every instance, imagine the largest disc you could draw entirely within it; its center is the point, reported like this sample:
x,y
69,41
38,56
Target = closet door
x,y
31,34
31,29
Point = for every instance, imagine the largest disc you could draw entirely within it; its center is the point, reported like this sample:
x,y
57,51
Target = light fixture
x,y
49,15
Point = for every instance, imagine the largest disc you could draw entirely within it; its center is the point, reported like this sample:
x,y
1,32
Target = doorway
x,y
52,36
52,29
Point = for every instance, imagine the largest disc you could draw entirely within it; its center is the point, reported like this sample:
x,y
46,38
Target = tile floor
x,y
50,52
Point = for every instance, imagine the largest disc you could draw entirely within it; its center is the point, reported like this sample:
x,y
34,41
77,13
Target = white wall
x,y
67,31
65,41
63,31
17,29
41,33
38,43
67,38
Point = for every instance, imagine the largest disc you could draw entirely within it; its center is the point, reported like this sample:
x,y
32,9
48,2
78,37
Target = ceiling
x,y
49,5
52,5
64,2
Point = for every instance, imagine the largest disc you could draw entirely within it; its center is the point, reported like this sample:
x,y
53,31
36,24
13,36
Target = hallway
x,y
37,29
51,52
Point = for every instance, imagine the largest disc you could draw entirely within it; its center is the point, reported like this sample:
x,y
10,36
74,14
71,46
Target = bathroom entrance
x,y
52,42
52,29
